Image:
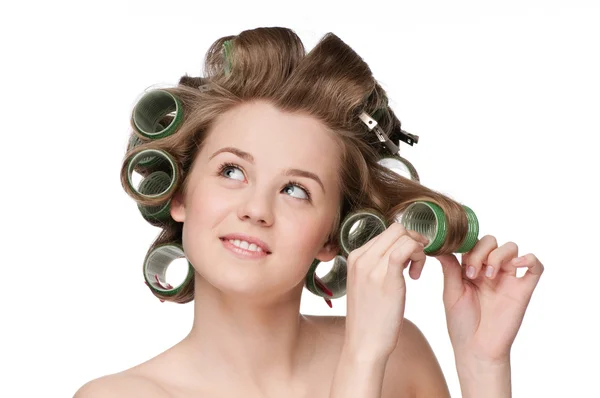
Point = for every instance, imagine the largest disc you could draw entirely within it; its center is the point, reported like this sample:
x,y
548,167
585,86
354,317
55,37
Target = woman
x,y
269,158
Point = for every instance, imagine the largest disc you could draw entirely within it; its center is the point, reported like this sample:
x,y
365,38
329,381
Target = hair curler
x,y
155,183
401,166
428,219
167,167
424,217
358,228
157,114
159,182
146,164
155,267
332,285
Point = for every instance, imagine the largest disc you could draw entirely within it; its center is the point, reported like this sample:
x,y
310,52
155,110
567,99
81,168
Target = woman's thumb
x,y
453,284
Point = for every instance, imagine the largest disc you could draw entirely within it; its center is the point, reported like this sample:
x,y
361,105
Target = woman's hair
x,y
331,83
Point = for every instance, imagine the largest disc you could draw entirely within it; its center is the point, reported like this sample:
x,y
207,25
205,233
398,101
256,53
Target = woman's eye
x,y
296,188
232,168
227,170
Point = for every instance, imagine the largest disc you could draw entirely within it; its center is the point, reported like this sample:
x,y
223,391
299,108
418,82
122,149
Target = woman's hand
x,y
485,304
376,290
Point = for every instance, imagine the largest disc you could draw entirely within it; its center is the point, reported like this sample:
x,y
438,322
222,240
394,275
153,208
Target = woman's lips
x,y
242,253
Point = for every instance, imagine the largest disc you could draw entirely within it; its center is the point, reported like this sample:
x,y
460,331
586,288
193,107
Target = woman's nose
x,y
256,207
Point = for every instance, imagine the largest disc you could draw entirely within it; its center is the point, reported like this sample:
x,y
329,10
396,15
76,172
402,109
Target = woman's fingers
x,y
389,237
416,267
474,260
376,297
356,253
375,254
406,249
535,269
499,257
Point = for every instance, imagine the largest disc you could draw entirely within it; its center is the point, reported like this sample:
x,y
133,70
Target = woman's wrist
x,y
485,379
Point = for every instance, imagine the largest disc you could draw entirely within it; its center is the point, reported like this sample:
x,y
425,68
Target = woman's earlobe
x,y
177,209
328,252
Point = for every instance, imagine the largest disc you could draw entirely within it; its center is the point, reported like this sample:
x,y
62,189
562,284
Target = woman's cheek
x,y
214,203
307,235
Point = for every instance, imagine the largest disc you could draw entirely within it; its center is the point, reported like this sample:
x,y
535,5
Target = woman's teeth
x,y
245,245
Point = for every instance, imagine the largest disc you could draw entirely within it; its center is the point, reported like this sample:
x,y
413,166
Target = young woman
x,y
269,158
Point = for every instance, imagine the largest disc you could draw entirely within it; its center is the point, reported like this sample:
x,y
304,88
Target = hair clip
x,y
409,138
383,138
371,123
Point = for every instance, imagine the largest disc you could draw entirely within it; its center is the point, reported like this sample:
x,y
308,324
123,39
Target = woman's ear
x,y
177,207
327,252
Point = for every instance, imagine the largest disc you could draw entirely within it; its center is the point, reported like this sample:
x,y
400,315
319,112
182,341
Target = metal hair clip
x,y
409,138
371,123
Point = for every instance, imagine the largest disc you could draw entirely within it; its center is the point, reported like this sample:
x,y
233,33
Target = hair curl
x,y
331,83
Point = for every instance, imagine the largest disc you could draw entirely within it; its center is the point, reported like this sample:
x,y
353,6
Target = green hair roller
x,y
227,49
428,219
332,285
150,188
358,228
157,114
147,163
153,184
424,217
401,166
155,267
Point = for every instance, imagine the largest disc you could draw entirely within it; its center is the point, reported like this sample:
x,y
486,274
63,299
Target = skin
x,y
248,337
246,314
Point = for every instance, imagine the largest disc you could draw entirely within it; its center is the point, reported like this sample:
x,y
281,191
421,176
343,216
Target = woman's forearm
x,y
358,376
484,380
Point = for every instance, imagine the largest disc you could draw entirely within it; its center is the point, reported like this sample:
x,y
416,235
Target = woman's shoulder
x,y
411,341
412,369
124,384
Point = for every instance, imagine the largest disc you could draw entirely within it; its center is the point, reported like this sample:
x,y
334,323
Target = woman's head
x,y
269,175
263,95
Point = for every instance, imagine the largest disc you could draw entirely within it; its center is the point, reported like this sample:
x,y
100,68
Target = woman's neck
x,y
264,341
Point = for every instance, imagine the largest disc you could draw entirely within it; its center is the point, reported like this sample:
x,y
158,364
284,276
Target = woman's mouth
x,y
250,253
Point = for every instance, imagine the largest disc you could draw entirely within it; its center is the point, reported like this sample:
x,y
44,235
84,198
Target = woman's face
x,y
263,149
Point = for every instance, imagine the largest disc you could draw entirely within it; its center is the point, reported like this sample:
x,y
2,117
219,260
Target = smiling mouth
x,y
243,251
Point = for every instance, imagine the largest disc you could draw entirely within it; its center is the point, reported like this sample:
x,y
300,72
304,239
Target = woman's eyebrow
x,y
244,155
289,172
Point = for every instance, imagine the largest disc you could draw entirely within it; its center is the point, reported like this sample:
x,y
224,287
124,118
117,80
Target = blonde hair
x,y
330,83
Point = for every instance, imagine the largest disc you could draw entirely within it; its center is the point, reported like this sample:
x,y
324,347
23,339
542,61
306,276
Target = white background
x,y
504,96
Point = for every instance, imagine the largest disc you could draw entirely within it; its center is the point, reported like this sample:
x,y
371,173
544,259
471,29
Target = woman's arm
x,y
477,378
485,302
412,367
358,376
486,380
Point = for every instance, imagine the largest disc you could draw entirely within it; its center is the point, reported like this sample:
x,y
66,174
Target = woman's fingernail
x,y
471,271
489,271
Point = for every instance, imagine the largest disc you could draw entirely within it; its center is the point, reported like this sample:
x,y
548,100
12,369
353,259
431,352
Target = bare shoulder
x,y
414,356
120,385
412,369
